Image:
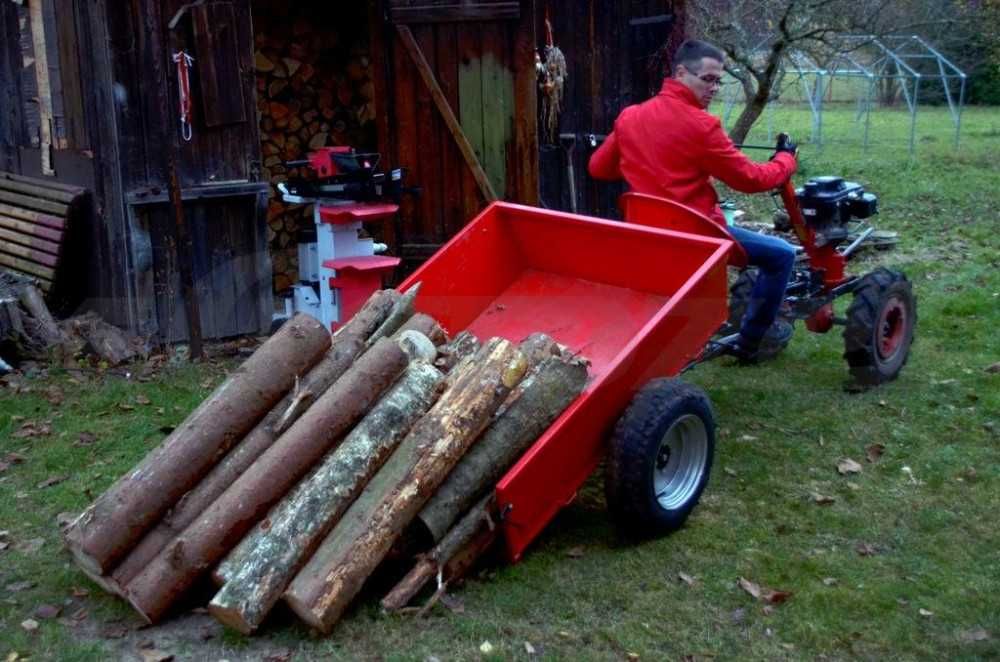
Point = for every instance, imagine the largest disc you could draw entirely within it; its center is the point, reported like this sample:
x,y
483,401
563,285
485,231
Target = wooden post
x,y
109,528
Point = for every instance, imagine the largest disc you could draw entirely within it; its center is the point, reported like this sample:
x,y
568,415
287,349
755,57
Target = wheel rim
x,y
680,462
891,328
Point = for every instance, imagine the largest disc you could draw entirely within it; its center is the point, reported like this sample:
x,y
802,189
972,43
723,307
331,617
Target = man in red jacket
x,y
670,146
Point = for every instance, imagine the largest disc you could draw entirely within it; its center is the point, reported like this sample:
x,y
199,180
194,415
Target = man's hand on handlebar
x,y
785,144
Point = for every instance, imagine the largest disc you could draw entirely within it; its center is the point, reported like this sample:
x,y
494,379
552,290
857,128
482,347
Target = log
x,y
401,312
221,526
115,522
426,325
346,345
32,301
536,402
268,558
321,592
465,532
348,342
103,339
460,347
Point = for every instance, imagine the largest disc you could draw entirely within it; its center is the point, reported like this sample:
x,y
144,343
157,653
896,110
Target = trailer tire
x,y
660,458
880,327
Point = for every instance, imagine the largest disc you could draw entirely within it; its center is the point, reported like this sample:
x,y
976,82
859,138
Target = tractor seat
x,y
656,212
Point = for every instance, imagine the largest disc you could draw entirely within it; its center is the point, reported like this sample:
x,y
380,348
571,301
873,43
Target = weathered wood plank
x,y
429,126
39,257
452,163
19,224
470,107
36,189
8,198
523,172
216,43
487,11
497,85
19,264
28,241
69,70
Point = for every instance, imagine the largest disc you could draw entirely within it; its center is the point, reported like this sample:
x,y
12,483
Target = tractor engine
x,y
828,203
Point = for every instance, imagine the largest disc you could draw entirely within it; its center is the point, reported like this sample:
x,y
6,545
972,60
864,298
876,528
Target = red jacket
x,y
671,147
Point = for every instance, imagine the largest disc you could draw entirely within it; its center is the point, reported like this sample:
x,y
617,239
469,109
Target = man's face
x,y
704,82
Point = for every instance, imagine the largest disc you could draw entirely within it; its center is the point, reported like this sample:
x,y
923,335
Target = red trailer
x,y
640,303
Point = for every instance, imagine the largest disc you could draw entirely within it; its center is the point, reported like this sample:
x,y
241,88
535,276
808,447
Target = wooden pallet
x,y
34,216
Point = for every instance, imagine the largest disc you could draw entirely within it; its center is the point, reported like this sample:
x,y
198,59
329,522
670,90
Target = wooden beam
x,y
446,113
42,80
492,11
523,172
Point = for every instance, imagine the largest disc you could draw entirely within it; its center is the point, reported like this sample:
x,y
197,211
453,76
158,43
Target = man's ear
x,y
679,71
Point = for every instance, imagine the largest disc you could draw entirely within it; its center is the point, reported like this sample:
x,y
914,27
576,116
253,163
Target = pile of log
x,y
314,88
28,331
321,455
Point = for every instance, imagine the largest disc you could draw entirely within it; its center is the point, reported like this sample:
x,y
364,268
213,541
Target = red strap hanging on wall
x,y
184,63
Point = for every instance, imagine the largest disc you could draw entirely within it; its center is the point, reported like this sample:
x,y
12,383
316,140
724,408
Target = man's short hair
x,y
692,51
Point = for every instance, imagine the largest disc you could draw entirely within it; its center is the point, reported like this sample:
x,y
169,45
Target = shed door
x,y
460,112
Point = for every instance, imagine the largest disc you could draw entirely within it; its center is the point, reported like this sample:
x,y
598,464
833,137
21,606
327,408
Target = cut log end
x,y
231,618
307,615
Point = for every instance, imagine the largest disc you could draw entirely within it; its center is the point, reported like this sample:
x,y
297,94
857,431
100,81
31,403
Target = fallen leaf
x,y
575,552
153,655
748,437
50,481
926,613
848,466
143,400
79,615
4,545
279,656
866,549
853,486
738,615
15,458
822,499
829,581
85,439
17,587
54,395
768,610
883,403
29,625
874,452
79,592
632,657
979,634
47,612
33,429
730,472
13,656
528,648
776,597
114,631
486,648
749,587
207,383
686,578
124,406
995,368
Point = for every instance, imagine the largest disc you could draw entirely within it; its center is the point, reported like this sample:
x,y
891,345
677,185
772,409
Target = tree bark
x,y
112,525
260,567
346,345
220,527
537,401
32,301
460,347
325,587
464,533
401,312
426,325
756,104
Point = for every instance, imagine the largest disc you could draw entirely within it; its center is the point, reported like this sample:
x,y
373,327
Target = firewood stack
x,y
314,88
296,478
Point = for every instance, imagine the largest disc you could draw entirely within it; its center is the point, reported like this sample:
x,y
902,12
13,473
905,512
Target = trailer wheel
x,y
660,458
880,326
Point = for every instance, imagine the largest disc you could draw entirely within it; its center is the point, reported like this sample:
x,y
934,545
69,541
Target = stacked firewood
x,y
317,458
310,93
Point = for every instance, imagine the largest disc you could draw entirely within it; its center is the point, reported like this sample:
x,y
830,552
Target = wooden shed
x,y
446,88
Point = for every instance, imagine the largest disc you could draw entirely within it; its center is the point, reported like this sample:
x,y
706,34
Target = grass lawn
x,y
902,564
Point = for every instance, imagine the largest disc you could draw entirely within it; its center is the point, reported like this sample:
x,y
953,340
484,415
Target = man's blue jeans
x,y
774,259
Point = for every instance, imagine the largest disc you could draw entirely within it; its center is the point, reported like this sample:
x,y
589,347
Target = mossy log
x,y
260,567
321,592
531,408
221,526
347,344
116,521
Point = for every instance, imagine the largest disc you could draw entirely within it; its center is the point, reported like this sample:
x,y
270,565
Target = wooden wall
x,y
614,52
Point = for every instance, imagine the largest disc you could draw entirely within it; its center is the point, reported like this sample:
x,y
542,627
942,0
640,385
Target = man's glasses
x,y
710,79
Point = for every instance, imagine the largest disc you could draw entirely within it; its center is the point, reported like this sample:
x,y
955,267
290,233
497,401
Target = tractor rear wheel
x,y
880,327
660,458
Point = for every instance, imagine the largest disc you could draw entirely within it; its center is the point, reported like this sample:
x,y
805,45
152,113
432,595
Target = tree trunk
x,y
49,331
112,525
537,401
465,532
756,104
325,587
426,325
227,520
260,567
347,343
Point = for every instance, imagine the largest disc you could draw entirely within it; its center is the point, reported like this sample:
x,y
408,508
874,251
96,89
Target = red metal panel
x,y
362,263
361,211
